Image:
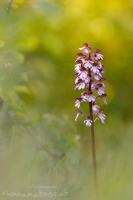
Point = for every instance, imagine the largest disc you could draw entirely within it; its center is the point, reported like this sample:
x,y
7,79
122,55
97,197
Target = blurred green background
x,y
40,143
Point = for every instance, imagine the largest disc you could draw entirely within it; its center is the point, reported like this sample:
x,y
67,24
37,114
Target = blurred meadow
x,y
42,148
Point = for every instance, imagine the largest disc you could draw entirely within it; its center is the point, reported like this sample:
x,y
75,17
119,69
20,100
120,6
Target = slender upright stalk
x,y
93,148
93,138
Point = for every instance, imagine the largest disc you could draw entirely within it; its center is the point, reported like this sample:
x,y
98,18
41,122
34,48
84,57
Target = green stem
x,y
93,148
93,139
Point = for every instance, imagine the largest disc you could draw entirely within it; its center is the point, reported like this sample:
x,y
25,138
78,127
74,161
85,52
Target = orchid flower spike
x,y
89,76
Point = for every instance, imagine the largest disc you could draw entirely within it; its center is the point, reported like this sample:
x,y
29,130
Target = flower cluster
x,y
88,72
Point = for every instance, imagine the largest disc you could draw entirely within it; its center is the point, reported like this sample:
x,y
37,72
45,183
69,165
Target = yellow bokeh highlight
x,y
102,28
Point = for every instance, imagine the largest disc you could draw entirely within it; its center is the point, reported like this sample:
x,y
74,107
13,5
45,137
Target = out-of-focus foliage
x,y
40,142
39,40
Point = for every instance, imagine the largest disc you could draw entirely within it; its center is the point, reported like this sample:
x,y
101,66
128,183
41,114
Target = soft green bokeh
x,y
40,143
